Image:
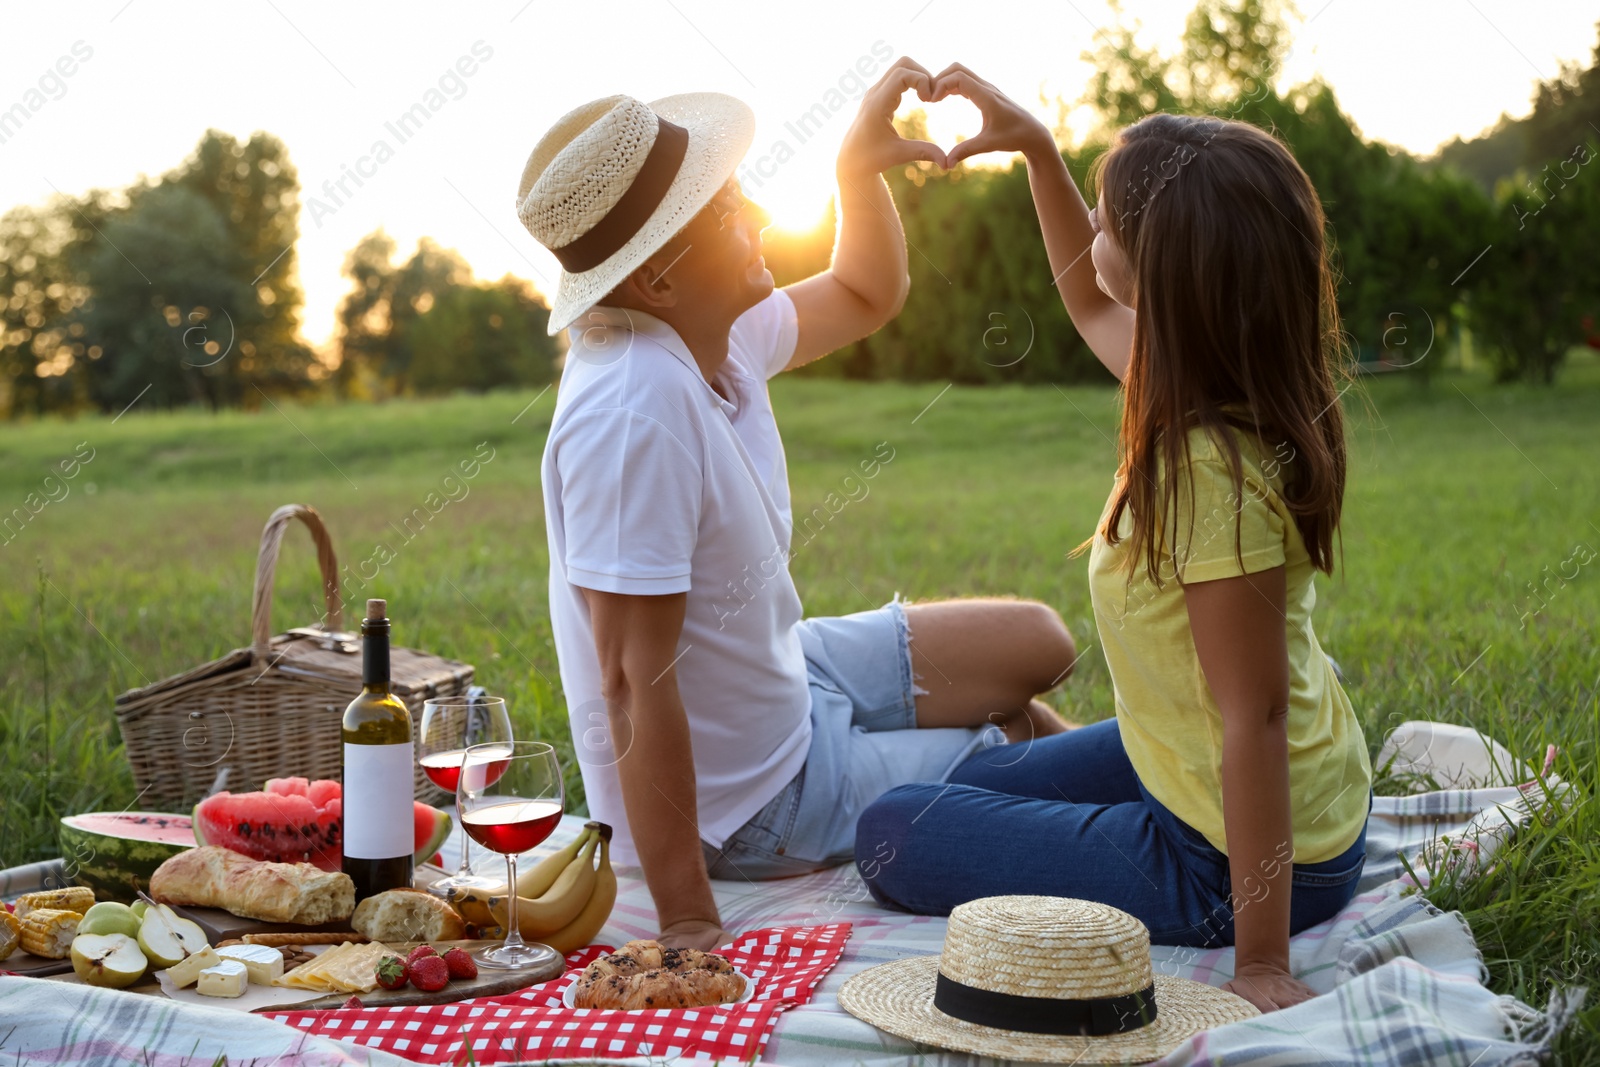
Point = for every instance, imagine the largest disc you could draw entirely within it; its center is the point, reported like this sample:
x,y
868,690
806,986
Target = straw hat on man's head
x,y
1044,979
615,179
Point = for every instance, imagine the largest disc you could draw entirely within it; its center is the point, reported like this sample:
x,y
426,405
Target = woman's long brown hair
x,y
1235,323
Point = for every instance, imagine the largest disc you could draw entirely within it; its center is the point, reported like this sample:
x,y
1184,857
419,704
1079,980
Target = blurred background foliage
x,y
1483,251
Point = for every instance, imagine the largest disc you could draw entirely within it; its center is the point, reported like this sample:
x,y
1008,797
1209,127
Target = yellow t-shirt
x,y
1170,724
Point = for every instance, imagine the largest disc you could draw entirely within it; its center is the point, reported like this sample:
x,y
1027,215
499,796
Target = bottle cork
x,y
376,610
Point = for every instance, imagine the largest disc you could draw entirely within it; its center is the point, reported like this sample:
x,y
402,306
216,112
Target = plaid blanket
x,y
1405,980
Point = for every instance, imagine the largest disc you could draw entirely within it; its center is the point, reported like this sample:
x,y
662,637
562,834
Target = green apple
x,y
109,917
110,960
166,937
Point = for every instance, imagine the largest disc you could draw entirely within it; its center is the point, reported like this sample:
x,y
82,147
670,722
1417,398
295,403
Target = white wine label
x,y
377,801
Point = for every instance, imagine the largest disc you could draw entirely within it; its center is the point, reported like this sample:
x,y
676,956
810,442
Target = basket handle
x,y
267,565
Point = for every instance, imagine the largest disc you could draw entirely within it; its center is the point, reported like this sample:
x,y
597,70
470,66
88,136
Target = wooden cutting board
x,y
26,963
488,983
222,925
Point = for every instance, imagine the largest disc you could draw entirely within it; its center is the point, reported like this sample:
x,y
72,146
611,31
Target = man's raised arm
x,y
636,639
867,283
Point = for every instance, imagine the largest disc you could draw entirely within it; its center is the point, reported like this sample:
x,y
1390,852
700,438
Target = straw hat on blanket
x,y
1041,978
614,180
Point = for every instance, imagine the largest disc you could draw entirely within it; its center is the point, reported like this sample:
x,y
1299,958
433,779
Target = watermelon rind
x,y
116,866
441,831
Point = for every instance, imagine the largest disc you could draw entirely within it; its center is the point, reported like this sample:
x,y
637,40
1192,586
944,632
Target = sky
x,y
327,78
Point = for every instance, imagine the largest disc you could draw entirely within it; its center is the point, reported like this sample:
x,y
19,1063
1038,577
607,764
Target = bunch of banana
x,y
562,901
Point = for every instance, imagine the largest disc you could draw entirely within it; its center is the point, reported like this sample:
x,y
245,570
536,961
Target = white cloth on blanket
x,y
67,1025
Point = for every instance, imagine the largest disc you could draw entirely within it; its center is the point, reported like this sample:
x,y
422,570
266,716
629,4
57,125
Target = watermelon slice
x,y
115,852
432,827
285,827
295,821
323,790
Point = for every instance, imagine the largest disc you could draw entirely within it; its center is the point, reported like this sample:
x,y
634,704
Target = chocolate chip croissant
x,y
642,975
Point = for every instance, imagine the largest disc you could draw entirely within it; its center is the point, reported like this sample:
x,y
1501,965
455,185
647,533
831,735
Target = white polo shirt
x,y
655,484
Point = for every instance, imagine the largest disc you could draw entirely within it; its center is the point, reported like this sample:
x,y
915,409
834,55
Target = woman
x,y
1227,801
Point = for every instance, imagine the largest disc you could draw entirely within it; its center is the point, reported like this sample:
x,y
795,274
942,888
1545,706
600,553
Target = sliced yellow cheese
x,y
349,968
264,964
309,975
227,979
185,972
357,970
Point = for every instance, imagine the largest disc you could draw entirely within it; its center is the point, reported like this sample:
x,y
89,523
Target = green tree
x,y
256,191
478,337
1566,111
377,316
1541,277
161,286
1231,49
183,286
1130,81
426,327
39,348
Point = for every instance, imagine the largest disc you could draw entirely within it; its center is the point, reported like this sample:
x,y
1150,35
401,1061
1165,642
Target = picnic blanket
x,y
1405,980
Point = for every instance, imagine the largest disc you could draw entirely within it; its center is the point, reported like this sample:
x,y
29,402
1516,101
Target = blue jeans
x,y
864,739
1067,816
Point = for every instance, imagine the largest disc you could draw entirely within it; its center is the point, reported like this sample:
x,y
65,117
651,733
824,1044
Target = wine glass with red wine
x,y
450,725
510,796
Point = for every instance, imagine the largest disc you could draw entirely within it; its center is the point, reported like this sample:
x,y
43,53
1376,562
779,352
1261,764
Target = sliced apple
x,y
109,917
167,937
109,960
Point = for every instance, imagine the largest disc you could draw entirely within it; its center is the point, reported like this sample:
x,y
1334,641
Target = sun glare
x,y
796,210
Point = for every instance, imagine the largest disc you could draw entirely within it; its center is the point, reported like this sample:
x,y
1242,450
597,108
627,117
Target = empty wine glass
x,y
511,797
450,725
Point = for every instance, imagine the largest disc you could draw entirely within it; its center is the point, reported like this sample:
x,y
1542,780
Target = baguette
x,y
407,915
213,877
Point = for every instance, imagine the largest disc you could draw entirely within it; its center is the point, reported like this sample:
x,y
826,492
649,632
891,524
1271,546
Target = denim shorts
x,y
864,741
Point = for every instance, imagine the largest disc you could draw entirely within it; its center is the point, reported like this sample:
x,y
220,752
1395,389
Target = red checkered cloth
x,y
786,963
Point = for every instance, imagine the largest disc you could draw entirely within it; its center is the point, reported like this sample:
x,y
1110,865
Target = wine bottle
x,y
378,827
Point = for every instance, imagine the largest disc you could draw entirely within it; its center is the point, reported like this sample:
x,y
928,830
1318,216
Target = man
x,y
720,732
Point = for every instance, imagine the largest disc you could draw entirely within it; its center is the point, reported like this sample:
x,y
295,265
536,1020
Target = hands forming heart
x,y
873,145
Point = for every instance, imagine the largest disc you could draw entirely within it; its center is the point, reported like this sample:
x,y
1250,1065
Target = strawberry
x,y
392,972
419,952
460,964
430,973
353,1002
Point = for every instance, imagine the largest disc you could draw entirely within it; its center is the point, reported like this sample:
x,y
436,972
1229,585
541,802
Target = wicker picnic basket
x,y
271,710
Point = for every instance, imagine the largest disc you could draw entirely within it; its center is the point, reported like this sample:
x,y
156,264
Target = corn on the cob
x,y
10,933
73,898
48,932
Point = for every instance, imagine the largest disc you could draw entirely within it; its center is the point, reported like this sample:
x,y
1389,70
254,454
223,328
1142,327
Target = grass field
x,y
1463,501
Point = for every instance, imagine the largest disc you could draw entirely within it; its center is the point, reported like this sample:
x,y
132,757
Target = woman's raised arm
x,y
1104,324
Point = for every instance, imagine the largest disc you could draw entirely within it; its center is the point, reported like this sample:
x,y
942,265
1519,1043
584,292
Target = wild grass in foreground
x,y
1461,597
